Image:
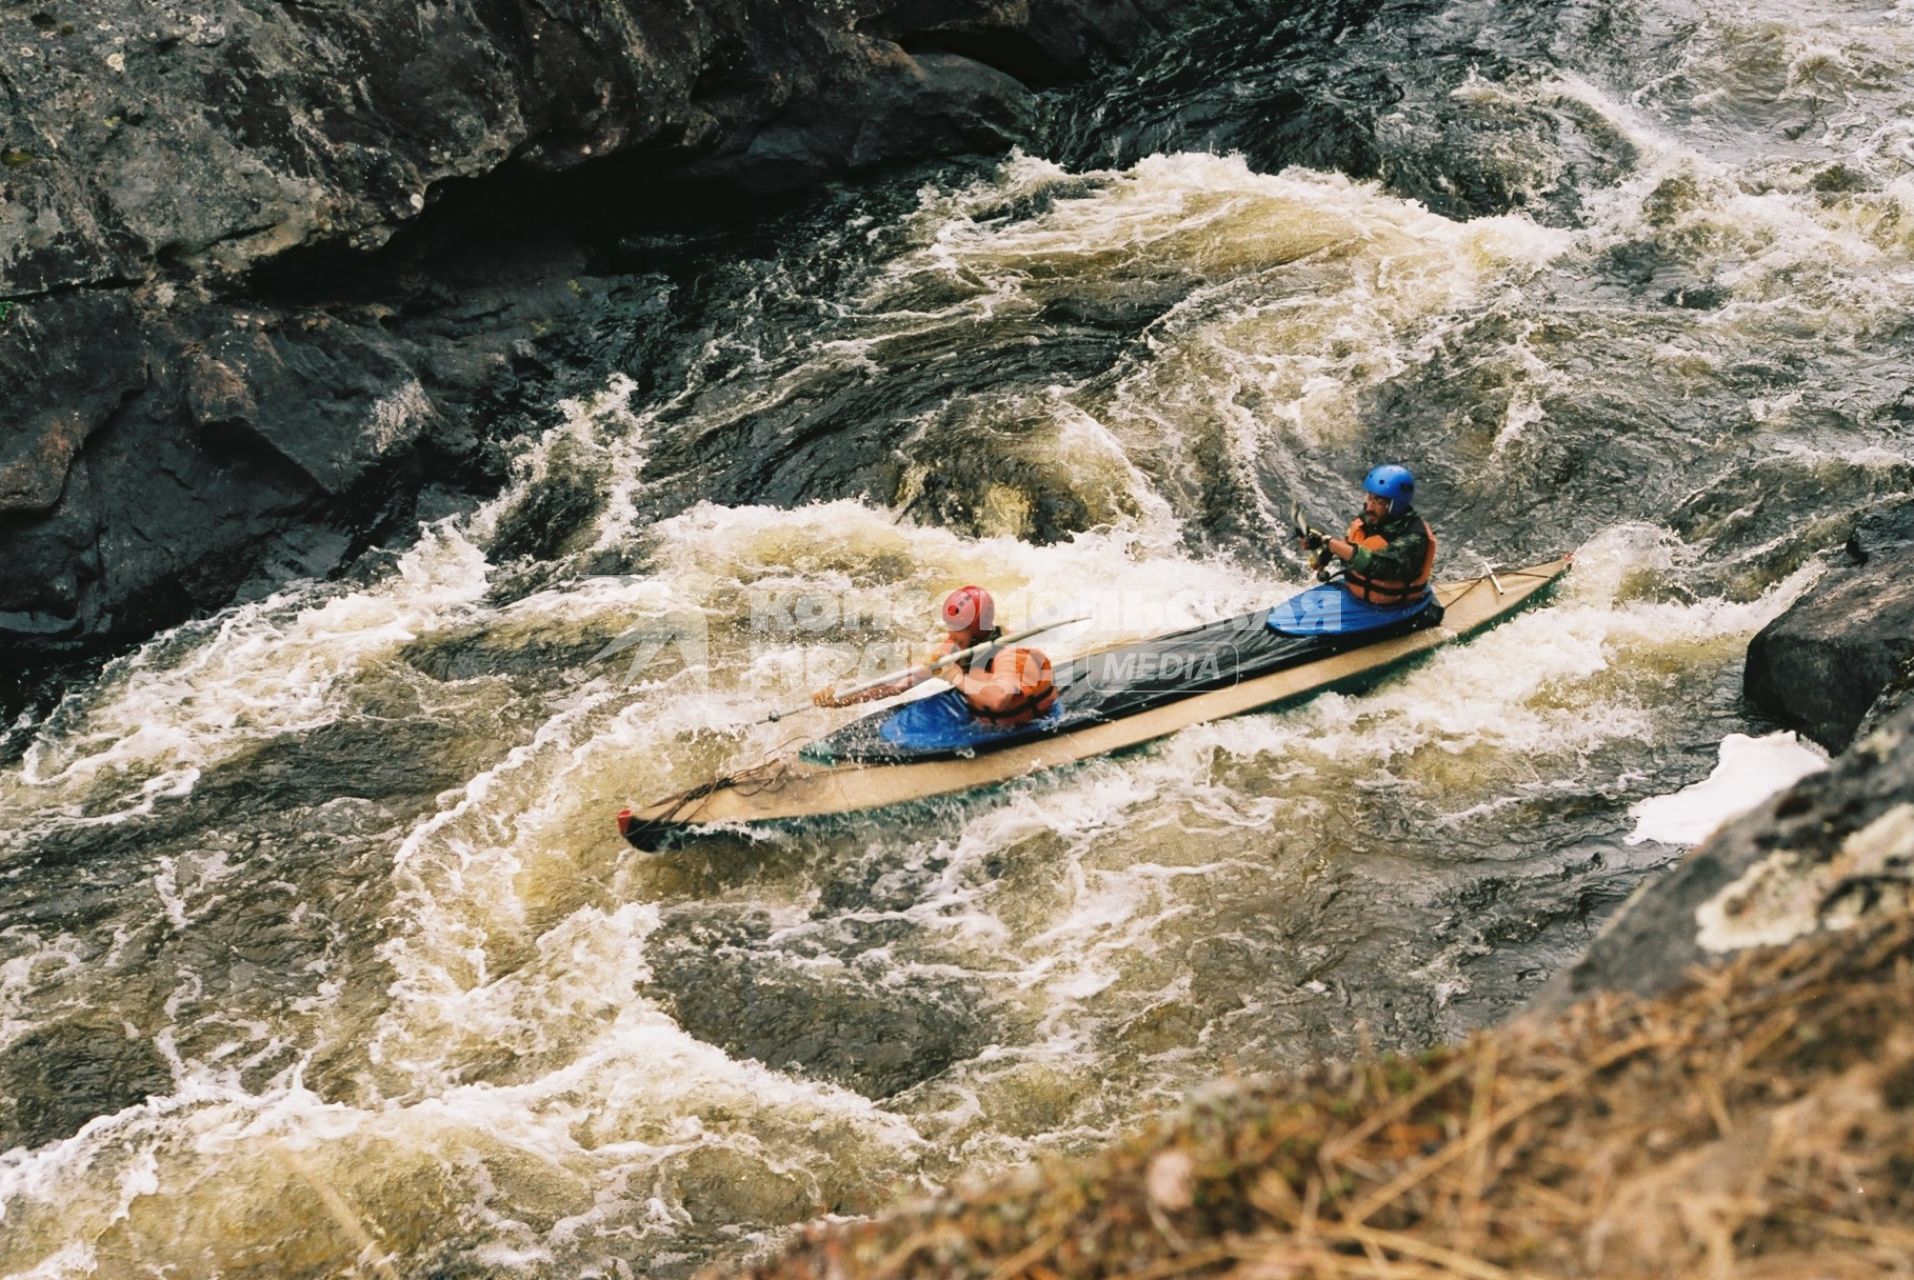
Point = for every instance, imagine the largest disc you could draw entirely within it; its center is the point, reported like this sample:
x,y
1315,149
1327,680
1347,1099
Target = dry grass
x,y
1759,1123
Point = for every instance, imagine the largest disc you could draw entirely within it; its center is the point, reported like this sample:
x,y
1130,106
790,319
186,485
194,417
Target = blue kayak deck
x,y
1330,610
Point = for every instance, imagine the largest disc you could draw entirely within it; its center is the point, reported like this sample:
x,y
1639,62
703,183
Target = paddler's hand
x,y
825,697
1340,548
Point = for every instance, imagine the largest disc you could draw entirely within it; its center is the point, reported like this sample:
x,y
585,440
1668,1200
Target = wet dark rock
x,y
1043,511
831,1021
1836,846
224,360
538,526
1821,665
81,385
1898,693
1763,521
195,141
57,1077
200,450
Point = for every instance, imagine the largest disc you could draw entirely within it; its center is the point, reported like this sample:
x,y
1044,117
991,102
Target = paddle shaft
x,y
962,655
1316,540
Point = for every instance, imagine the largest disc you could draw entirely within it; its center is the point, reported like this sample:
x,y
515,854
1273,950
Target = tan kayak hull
x,y
787,787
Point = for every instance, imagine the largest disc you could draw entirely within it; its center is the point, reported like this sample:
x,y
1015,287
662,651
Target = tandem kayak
x,y
1107,701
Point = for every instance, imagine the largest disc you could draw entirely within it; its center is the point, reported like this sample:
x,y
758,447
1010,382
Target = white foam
x,y
1750,770
36,964
71,1261
261,670
620,1110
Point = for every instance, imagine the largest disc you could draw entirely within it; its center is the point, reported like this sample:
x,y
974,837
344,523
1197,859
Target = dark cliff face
x,y
220,370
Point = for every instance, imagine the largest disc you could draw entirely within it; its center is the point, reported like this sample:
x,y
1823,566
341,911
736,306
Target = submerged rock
x,y
57,1077
1821,665
834,1022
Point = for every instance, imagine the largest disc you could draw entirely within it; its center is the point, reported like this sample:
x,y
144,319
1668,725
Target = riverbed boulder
x,y
1834,848
194,198
1898,693
1821,665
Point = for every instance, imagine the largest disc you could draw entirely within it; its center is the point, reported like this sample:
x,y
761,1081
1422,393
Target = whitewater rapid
x,y
319,952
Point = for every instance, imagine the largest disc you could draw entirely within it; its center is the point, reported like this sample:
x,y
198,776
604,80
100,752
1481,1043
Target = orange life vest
x,y
1388,591
1035,683
1036,686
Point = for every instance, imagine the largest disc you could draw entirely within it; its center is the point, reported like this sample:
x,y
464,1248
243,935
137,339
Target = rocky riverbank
x,y
1834,848
276,281
1756,1121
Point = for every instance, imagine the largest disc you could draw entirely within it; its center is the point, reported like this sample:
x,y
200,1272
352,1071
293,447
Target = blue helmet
x,y
1394,483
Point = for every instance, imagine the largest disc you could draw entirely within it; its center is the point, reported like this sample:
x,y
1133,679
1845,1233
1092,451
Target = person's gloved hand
x,y
825,697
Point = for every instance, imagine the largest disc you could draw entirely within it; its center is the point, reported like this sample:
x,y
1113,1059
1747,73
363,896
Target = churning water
x,y
319,953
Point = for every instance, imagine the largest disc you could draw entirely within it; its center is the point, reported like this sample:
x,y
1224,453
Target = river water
x,y
319,954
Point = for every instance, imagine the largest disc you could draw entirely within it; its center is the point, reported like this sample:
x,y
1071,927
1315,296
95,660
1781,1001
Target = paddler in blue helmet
x,y
1001,686
1389,551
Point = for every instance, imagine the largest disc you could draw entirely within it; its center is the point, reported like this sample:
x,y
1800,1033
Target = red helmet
x,y
969,609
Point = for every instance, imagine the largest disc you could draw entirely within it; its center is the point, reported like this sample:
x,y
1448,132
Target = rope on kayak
x,y
1473,584
1496,578
767,775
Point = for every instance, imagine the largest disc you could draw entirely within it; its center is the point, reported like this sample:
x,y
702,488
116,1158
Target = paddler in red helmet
x,y
1002,686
